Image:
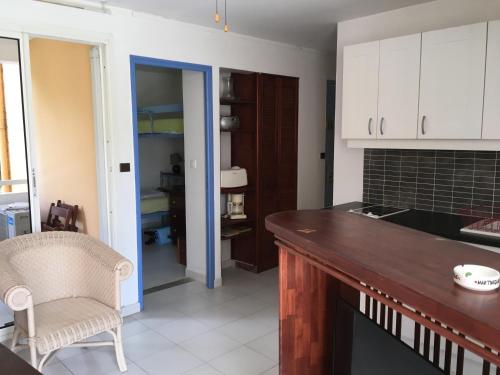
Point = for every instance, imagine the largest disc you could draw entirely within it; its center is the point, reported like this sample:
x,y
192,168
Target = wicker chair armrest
x,y
110,266
109,258
13,291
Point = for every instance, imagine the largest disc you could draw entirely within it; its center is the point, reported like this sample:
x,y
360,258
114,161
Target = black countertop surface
x,y
437,223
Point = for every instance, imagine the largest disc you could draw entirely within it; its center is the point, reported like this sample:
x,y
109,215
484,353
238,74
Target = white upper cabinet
x,y
360,91
399,76
491,119
452,83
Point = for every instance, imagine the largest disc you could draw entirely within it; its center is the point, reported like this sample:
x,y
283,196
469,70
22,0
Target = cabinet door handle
x,y
370,126
422,125
381,126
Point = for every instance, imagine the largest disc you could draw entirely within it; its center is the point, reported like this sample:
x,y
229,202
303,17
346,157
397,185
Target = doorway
x,y
187,175
159,93
64,131
51,143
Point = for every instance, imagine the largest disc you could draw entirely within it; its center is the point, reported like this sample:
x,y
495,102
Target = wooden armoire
x,y
266,145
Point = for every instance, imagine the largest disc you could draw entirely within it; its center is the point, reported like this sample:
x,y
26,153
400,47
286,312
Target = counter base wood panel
x,y
329,255
307,311
305,333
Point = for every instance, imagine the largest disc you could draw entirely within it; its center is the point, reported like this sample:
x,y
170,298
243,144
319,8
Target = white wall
x,y
194,125
348,172
157,86
154,156
132,33
9,51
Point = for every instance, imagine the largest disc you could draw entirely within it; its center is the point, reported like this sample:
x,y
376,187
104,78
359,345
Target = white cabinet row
x,y
434,85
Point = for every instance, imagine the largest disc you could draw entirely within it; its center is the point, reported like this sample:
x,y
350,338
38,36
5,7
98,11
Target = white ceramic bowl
x,y
474,277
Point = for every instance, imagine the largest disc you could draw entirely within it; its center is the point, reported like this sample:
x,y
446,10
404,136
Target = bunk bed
x,y
161,121
155,204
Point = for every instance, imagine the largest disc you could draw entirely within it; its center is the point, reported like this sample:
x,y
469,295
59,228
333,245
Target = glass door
x,y
15,213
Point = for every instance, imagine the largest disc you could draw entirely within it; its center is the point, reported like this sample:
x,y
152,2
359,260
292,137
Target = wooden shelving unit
x,y
225,222
237,190
237,102
246,232
265,145
237,131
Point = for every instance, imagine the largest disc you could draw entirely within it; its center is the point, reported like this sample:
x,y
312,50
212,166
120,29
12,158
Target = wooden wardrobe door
x,y
268,165
287,110
277,157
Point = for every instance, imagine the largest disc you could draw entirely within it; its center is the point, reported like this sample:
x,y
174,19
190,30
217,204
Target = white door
x,y
452,83
491,119
399,76
360,91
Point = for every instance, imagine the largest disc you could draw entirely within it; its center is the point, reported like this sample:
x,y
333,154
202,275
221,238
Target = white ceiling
x,y
305,23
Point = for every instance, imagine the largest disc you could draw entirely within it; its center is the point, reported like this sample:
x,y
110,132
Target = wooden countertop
x,y
10,363
411,266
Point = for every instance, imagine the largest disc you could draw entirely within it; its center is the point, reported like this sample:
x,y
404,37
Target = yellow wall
x,y
62,101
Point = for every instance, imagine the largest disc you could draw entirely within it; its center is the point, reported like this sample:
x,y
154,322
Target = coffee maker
x,y
235,206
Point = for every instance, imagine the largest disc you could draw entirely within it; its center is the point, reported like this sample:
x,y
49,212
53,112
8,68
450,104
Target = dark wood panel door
x,y
268,165
277,137
287,128
266,146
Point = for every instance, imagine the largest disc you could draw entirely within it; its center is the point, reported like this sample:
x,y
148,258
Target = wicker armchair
x,y
64,288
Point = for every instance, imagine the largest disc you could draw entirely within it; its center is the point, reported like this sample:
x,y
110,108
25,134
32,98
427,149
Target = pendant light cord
x,y
226,27
217,16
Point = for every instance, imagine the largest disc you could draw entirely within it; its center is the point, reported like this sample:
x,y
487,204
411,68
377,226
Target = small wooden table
x,y
327,255
10,363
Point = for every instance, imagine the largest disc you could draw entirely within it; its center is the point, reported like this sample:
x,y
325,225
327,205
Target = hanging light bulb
x,y
217,15
226,27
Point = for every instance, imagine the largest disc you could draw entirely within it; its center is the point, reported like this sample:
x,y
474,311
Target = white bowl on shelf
x,y
478,278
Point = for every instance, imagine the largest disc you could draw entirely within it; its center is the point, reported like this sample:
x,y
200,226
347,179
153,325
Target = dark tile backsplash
x,y
465,182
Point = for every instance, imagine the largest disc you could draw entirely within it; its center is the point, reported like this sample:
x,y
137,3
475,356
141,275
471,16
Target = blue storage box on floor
x,y
162,236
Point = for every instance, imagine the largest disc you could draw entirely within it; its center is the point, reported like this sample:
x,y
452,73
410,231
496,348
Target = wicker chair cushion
x,y
66,321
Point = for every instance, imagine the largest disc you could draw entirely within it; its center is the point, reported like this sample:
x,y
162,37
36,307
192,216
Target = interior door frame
x,y
209,161
101,122
101,140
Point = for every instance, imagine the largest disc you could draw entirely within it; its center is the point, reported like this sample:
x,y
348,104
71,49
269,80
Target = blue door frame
x,y
209,160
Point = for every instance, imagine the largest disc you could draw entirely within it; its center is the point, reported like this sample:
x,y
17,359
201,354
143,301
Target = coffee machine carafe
x,y
235,206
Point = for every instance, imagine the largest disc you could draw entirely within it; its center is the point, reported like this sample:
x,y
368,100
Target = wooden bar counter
x,y
327,255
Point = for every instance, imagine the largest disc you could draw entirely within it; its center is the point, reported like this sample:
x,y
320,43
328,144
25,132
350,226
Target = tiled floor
x,y
160,266
191,330
6,315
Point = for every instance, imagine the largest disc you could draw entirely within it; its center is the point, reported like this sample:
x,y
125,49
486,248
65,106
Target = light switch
x,y
193,163
124,167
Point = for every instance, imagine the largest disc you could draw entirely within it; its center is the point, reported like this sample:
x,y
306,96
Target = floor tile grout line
x,y
265,355
240,347
265,305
